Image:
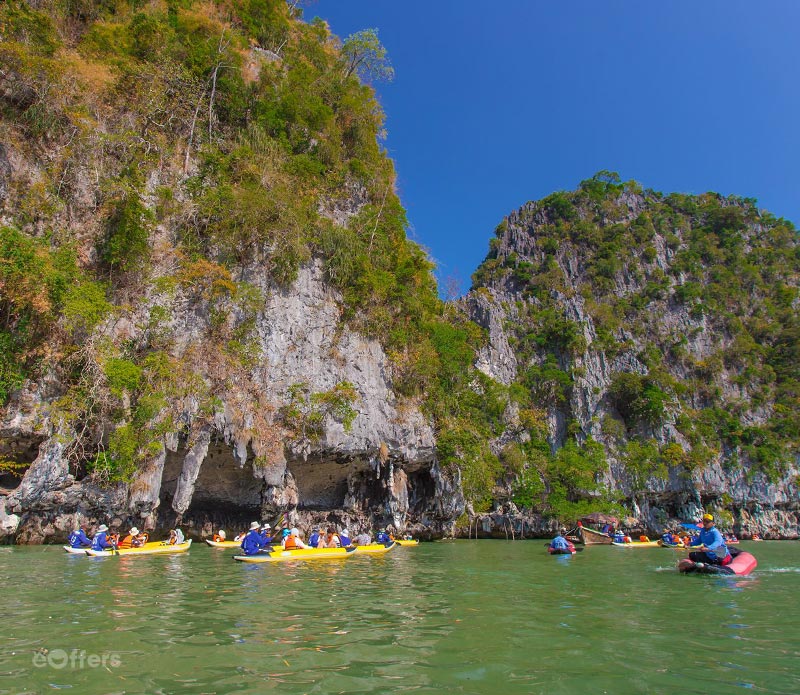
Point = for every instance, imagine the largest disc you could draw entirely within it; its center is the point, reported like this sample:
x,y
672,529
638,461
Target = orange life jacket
x,y
290,543
218,539
126,542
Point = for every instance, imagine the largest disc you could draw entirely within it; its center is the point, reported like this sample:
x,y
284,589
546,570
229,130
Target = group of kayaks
x,y
278,554
153,548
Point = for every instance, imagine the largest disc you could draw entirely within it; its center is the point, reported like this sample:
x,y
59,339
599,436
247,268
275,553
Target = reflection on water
x,y
466,617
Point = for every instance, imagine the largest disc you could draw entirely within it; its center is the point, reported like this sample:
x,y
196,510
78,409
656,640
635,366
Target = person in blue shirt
x,y
344,539
383,537
254,541
714,552
313,539
79,539
100,540
669,538
560,544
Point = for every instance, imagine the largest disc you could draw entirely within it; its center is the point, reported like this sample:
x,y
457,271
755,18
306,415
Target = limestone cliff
x,y
210,311
230,466
662,328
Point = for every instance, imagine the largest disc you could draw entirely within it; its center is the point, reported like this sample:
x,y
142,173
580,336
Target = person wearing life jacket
x,y
331,539
219,537
134,539
313,539
560,542
619,537
254,541
383,537
100,540
344,539
293,541
175,537
666,537
714,552
79,539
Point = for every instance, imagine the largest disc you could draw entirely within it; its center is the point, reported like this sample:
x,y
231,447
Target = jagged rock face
x,y
5,173
380,471
507,292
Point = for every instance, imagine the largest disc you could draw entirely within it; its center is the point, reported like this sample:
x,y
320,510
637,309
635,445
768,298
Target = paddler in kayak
x,y
560,543
383,537
344,539
362,538
313,539
219,536
79,539
175,537
293,540
100,540
670,538
134,539
255,541
714,552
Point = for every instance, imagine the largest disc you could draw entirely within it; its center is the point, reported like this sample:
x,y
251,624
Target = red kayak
x,y
741,565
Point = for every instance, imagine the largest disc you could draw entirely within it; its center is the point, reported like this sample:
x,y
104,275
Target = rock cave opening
x,y
322,484
421,490
226,495
19,455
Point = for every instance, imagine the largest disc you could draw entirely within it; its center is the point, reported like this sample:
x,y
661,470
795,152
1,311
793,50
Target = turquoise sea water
x,y
478,617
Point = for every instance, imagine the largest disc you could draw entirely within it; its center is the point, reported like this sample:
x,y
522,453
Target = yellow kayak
x,y
407,543
638,544
155,548
374,548
223,544
279,555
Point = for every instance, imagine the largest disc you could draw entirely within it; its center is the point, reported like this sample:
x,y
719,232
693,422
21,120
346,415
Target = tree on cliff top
x,y
365,56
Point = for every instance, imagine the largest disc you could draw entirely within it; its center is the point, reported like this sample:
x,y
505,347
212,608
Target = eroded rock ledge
x,y
379,471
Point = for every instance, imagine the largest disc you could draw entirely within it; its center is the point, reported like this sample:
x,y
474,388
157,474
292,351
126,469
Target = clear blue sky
x,y
498,103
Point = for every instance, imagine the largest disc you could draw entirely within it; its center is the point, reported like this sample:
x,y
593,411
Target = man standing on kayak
x,y
714,552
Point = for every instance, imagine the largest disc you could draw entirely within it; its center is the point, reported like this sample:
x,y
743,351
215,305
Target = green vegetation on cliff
x,y
684,306
184,146
177,151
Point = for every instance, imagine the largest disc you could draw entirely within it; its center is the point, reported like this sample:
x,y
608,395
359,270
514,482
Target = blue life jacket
x,y
100,542
667,538
253,542
559,543
383,537
345,541
619,537
79,539
313,539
